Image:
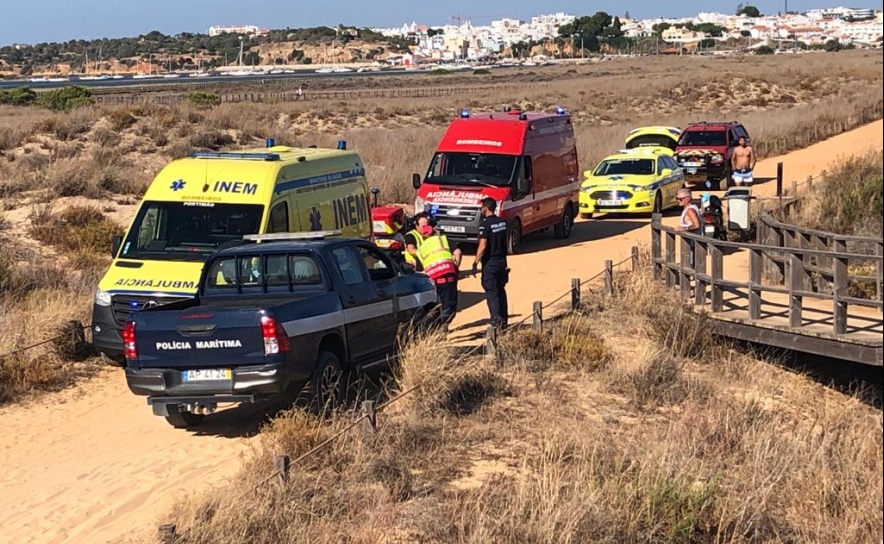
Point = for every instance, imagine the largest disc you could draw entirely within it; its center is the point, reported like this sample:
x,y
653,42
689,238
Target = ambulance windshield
x,y
188,231
450,168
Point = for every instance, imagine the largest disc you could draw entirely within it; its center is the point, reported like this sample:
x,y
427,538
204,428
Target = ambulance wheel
x,y
585,216
183,420
566,224
514,237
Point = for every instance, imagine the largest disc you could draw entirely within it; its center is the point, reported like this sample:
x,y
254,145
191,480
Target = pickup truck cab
x,y
269,318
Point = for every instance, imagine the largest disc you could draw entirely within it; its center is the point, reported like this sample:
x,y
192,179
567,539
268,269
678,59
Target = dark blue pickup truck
x,y
268,318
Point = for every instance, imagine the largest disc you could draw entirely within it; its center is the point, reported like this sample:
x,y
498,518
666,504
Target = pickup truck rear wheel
x,y
183,420
327,383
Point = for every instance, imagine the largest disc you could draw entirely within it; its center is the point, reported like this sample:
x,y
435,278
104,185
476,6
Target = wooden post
x,y
823,262
281,464
167,533
839,289
635,258
796,273
538,316
794,188
609,278
369,411
810,182
684,271
700,251
656,246
780,183
717,276
669,259
755,265
575,293
804,242
491,343
879,277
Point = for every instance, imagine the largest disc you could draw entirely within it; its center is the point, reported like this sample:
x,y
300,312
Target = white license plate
x,y
691,164
691,170
446,228
206,375
710,230
610,202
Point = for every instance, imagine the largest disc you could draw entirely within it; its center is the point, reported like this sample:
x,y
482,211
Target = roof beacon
x,y
465,114
560,110
342,145
270,142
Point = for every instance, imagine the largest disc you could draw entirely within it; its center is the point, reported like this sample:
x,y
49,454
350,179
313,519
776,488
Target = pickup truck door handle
x,y
382,293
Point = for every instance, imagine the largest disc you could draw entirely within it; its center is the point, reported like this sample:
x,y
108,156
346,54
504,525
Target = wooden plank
x,y
671,277
839,290
879,281
700,251
804,242
788,339
685,273
656,246
755,265
796,273
717,276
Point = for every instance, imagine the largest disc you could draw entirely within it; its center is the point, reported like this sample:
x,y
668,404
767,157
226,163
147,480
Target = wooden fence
x,y
289,96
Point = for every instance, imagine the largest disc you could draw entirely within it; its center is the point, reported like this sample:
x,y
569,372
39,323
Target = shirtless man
x,y
743,163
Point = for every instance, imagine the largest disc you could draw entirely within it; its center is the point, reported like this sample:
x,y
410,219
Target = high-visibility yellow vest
x,y
418,239
436,257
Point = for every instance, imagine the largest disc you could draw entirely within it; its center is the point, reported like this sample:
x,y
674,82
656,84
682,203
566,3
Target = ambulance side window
x,y
279,218
523,177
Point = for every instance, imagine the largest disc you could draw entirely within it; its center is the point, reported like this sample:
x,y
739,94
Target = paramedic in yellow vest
x,y
441,265
414,238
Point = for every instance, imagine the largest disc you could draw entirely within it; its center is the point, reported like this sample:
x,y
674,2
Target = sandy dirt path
x,y
92,463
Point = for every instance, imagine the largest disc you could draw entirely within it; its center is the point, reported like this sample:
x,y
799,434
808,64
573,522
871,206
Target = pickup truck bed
x,y
258,334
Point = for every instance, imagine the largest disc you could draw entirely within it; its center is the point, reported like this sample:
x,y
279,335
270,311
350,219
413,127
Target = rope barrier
x,y
38,344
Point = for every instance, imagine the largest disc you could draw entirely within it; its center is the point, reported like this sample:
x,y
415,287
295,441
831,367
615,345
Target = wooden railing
x,y
819,269
709,286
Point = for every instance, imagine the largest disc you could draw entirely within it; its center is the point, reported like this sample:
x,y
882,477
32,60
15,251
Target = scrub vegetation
x,y
645,445
100,158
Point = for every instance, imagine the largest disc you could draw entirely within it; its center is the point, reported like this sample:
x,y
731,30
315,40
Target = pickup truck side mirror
x,y
416,181
116,242
374,197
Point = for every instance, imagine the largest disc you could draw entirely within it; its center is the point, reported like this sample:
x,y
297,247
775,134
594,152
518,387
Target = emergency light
x,y
464,114
342,145
560,110
270,142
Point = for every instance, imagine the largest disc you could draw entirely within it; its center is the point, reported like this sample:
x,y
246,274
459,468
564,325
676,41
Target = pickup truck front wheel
x,y
327,383
183,420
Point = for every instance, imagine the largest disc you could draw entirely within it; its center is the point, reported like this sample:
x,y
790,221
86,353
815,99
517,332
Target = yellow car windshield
x,y
625,167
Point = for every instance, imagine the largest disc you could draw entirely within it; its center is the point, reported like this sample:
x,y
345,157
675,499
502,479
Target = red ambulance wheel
x,y
514,237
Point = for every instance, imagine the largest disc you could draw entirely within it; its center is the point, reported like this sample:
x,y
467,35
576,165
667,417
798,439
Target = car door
x,y
676,179
382,274
360,300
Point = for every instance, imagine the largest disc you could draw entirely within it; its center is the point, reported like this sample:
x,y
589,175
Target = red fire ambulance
x,y
526,161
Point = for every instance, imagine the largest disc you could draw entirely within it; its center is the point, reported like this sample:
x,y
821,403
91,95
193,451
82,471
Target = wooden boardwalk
x,y
797,289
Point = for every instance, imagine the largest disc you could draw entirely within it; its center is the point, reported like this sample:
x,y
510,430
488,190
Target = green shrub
x,y
764,50
19,96
204,99
66,98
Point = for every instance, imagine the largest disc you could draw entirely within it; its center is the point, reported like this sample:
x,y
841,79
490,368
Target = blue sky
x,y
32,21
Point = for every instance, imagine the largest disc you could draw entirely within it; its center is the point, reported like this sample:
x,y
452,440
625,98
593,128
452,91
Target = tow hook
x,y
201,409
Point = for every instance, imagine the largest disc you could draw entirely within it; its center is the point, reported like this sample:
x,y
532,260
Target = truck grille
x,y
610,195
452,213
123,305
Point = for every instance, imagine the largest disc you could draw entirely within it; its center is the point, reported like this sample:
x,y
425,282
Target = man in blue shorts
x,y
743,163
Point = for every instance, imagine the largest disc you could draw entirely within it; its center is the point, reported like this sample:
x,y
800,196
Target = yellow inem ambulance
x,y
199,203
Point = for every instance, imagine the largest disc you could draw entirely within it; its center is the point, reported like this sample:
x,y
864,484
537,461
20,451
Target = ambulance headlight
x,y
102,298
419,204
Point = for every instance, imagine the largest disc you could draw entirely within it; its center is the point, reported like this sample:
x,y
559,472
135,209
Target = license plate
x,y
446,228
610,202
691,170
206,375
691,164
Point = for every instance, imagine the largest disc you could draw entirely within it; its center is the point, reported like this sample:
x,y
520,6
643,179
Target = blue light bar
x,y
465,114
232,155
560,110
270,142
342,145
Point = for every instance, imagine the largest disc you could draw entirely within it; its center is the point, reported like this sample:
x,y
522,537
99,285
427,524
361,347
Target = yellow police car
x,y
641,180
663,137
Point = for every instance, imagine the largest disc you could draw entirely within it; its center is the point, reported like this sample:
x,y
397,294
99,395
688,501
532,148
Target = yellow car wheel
x,y
658,203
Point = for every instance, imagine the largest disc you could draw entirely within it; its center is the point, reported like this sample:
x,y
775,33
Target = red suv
x,y
704,151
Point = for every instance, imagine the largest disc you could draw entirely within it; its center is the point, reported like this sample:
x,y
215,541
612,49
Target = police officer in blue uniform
x,y
492,254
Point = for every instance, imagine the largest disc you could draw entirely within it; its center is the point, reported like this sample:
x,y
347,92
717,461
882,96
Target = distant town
x,y
462,40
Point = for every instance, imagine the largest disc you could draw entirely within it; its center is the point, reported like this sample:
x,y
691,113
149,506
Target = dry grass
x,y
650,447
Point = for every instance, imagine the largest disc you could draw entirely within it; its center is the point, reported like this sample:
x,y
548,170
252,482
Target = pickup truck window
x,y
253,271
348,265
188,231
379,267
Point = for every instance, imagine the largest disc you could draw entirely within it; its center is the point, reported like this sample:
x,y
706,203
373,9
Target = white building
x,y
249,30
863,32
842,13
508,31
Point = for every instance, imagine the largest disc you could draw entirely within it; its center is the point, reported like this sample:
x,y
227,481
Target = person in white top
x,y
690,213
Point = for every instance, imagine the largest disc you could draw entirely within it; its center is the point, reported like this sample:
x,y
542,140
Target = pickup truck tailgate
x,y
199,338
